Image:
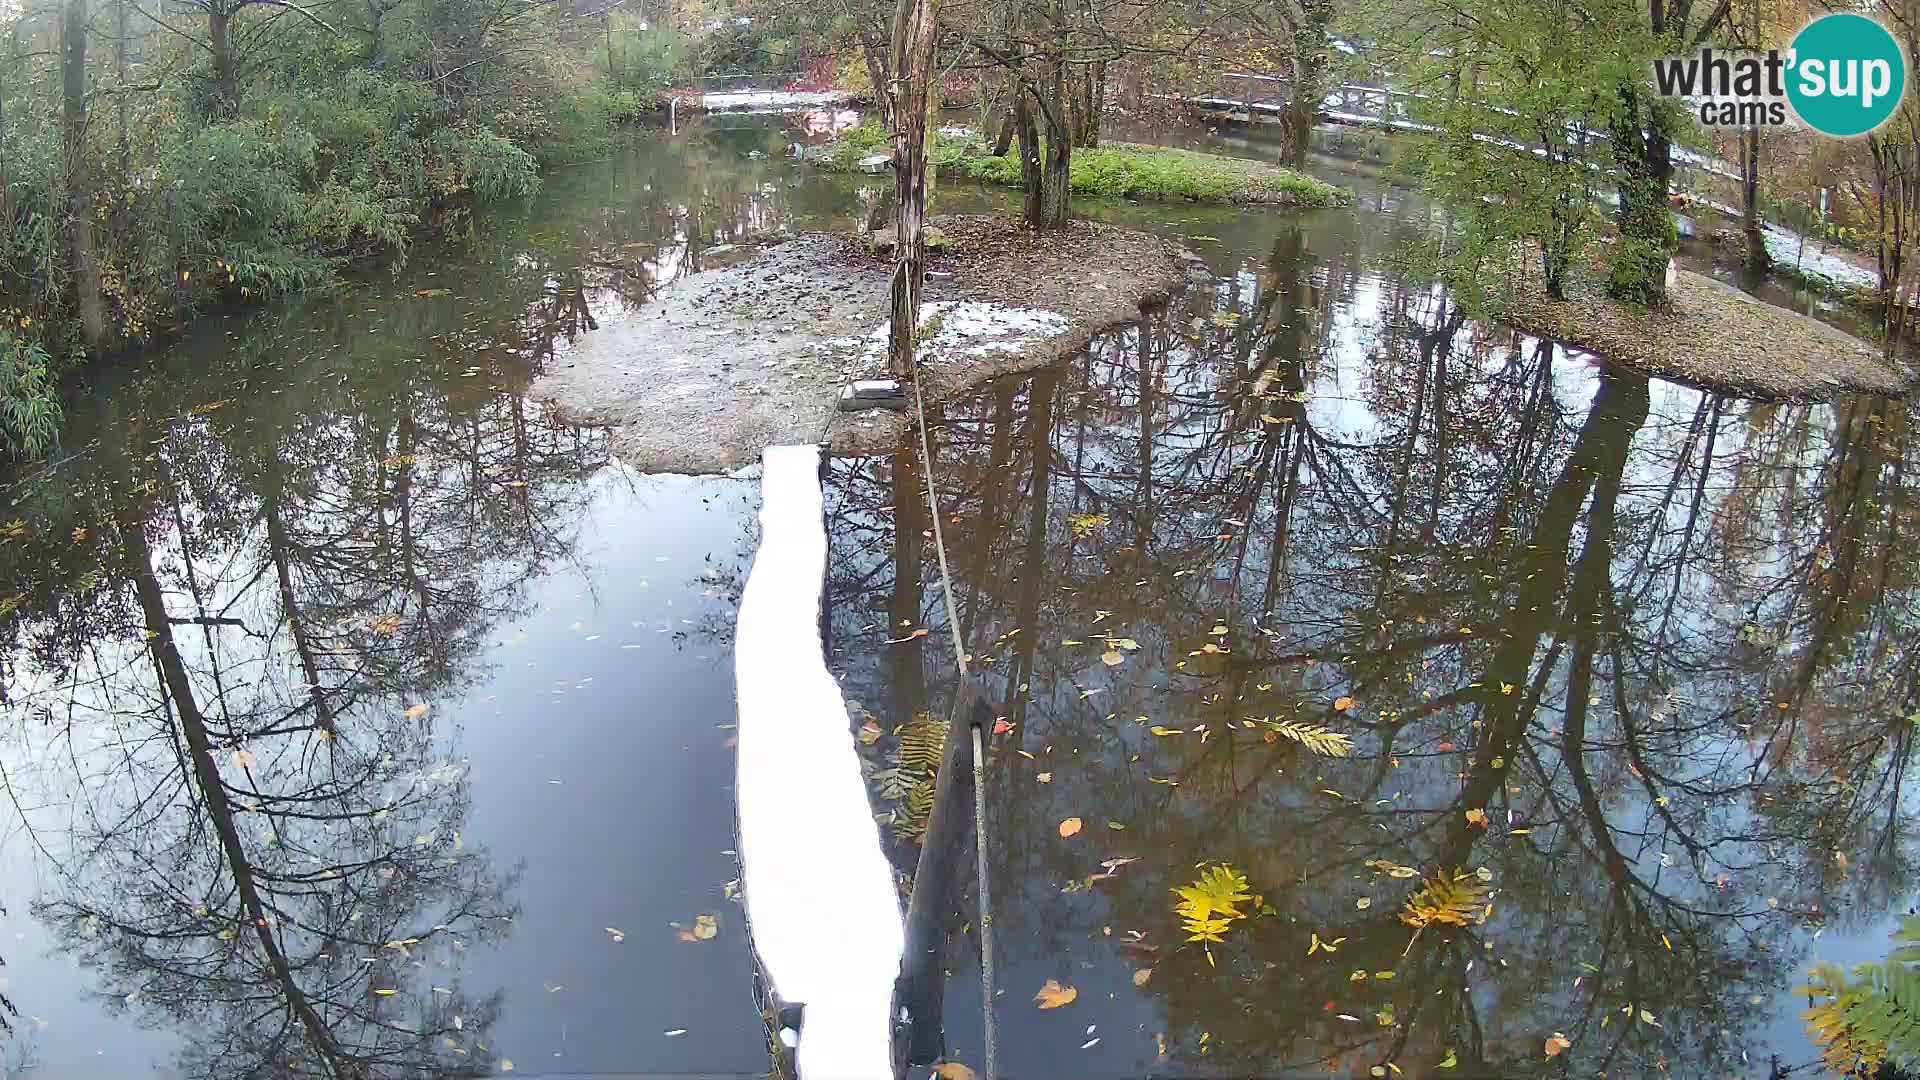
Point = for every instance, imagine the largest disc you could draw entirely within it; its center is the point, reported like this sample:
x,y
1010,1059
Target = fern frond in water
x,y
917,811
922,743
1874,1016
1209,905
891,783
1456,899
922,746
1320,740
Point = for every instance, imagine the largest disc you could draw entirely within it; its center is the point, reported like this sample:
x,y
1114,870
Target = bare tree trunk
x,y
1056,203
1096,102
913,33
1757,257
377,37
1309,80
12,65
877,75
73,78
1003,135
1032,182
121,98
226,88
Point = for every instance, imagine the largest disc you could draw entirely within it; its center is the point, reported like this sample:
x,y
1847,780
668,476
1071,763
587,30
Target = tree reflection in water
x,y
1663,639
249,813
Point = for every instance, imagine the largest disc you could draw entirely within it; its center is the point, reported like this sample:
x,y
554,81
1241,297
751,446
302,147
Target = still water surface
x,y
463,682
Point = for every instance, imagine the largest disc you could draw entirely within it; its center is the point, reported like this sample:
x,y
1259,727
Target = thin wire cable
x,y
979,766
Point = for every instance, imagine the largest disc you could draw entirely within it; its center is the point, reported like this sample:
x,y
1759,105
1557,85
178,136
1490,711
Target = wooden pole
x,y
938,880
913,31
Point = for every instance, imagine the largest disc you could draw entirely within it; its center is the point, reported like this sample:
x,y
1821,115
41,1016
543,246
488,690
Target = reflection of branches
x,y
1551,594
269,852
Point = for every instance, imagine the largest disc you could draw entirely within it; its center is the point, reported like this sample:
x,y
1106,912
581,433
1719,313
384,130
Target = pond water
x,y
437,774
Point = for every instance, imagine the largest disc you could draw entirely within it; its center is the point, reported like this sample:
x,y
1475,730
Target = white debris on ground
x,y
809,849
964,328
740,100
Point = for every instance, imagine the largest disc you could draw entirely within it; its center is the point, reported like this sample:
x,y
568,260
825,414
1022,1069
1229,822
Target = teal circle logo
x,y
1845,75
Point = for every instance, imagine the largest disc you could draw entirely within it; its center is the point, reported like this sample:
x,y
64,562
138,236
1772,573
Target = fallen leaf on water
x,y
676,1033
705,927
920,633
1071,642
1506,688
506,1064
1161,729
1450,1060
1126,643
1115,826
616,935
1342,704
869,733
425,294
1002,726
1141,976
1557,1043
1069,827
1363,903
953,1070
415,712
1477,816
243,759
1113,658
1045,777
385,992
1052,995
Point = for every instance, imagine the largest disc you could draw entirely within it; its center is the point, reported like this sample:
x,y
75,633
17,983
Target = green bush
x,y
29,411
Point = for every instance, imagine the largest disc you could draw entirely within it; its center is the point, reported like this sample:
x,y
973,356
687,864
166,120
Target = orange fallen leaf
x,y
415,712
1141,976
953,1070
1477,817
1052,995
1002,726
1342,704
1069,827
1557,1043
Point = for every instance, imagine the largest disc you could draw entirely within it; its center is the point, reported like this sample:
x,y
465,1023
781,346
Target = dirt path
x,y
729,361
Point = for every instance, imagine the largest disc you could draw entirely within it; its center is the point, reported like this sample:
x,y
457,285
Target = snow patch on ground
x,y
1806,255
810,853
1810,259
965,328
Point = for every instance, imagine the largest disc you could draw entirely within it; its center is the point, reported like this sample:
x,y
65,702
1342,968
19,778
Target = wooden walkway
x,y
1265,99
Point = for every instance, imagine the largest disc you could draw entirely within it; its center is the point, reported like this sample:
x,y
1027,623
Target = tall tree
x,y
914,25
84,265
1642,132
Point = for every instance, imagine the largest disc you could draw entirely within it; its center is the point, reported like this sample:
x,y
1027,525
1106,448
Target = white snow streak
x,y
821,906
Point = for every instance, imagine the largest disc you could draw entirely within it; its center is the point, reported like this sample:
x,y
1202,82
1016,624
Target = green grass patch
x,y
1118,170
